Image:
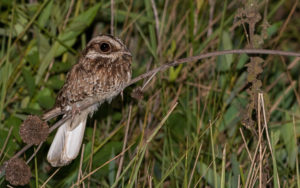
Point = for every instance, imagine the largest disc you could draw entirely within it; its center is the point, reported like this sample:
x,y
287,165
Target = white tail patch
x,y
67,141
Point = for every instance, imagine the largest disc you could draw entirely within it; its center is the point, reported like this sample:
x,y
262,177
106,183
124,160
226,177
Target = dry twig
x,y
163,68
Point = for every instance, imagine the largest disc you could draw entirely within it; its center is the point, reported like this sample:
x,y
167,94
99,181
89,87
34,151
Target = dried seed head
x,y
17,172
34,130
137,93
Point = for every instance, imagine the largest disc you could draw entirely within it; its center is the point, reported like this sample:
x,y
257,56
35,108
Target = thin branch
x,y
156,24
112,12
245,143
212,4
56,125
35,152
25,148
6,141
187,60
37,13
92,152
45,183
80,166
124,143
104,164
163,68
147,82
68,14
195,164
212,54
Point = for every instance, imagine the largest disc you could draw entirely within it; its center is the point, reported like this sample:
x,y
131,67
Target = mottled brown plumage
x,y
101,73
99,78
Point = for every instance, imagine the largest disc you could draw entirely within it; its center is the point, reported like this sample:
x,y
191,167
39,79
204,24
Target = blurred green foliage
x,y
41,40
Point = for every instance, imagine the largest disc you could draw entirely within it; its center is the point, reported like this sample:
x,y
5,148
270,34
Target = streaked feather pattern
x,y
97,77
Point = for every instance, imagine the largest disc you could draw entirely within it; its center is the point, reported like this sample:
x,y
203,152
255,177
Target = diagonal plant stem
x,y
212,54
163,68
112,13
194,59
6,141
124,143
37,13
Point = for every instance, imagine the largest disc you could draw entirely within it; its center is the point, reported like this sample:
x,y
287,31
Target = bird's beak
x,y
126,52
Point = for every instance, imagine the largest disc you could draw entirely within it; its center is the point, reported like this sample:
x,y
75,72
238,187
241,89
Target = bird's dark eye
x,y
104,47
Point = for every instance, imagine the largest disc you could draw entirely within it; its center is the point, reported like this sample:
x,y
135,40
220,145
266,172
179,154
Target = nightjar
x,y
102,72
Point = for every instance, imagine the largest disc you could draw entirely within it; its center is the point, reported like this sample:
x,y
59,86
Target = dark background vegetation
x,y
210,138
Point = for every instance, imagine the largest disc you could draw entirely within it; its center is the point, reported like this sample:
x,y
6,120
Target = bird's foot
x,y
74,111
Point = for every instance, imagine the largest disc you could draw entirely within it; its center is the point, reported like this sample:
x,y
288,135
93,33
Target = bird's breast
x,y
111,81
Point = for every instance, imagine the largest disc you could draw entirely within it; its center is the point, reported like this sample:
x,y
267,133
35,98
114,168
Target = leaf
x,y
208,174
12,145
227,45
287,132
45,99
174,72
45,63
29,81
68,37
104,155
172,49
33,57
242,61
76,26
235,169
112,168
151,28
45,14
59,67
275,136
55,82
122,15
231,118
224,63
5,73
43,45
15,122
273,29
176,121
25,101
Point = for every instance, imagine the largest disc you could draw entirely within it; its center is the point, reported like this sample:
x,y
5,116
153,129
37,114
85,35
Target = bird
x,y
101,73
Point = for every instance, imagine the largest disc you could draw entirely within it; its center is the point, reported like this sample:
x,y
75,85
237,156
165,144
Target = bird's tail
x,y
67,141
